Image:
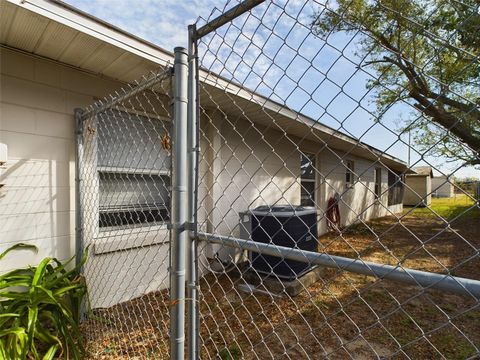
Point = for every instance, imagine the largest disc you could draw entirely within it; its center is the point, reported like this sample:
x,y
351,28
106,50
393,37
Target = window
x,y
378,182
395,189
133,171
349,174
132,199
307,180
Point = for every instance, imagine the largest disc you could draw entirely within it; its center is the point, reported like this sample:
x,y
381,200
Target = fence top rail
x,y
226,17
102,105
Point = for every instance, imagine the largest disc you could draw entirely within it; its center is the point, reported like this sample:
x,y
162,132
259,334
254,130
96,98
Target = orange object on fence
x,y
333,214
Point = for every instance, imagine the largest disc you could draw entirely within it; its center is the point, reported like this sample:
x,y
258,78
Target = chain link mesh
x,y
292,93
125,195
293,96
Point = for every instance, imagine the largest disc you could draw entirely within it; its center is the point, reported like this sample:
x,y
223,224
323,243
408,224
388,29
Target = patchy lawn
x,y
457,207
341,316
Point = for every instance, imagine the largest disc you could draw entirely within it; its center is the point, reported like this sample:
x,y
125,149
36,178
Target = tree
x,y
425,53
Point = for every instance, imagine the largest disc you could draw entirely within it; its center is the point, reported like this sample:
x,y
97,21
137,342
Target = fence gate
x,y
124,180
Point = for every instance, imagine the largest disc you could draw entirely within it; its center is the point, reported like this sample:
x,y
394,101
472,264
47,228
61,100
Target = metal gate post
x,y
78,116
179,230
192,265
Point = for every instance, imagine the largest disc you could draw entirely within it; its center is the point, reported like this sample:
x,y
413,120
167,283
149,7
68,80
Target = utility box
x,y
283,225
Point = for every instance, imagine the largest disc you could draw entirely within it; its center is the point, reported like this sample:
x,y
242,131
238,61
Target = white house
x,y
55,58
442,186
418,187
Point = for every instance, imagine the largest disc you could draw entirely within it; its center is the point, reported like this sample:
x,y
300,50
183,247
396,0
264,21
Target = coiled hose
x,y
333,214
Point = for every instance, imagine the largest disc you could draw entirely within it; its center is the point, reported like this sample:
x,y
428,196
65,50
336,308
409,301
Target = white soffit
x,y
56,31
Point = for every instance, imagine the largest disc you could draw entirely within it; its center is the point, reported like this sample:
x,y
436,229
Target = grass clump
x,y
233,352
449,208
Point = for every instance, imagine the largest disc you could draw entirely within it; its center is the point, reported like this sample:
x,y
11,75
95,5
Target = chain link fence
x,y
311,250
302,204
124,188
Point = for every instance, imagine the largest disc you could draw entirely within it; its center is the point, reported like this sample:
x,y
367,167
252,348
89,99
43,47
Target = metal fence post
x,y
78,117
192,269
179,232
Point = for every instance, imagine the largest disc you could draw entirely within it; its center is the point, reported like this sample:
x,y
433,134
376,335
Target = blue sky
x,y
277,56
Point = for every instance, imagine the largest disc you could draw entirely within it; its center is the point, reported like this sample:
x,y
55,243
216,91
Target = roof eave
x,y
78,20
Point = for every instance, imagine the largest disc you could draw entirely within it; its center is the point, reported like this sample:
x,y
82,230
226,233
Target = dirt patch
x,y
137,329
341,316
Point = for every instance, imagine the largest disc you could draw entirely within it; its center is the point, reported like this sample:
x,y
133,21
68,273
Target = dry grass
x,y
341,316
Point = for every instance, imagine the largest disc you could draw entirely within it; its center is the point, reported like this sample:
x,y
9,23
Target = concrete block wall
x,y
37,99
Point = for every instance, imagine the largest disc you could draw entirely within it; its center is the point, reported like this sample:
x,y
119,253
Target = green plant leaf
x,y
12,282
39,311
3,353
4,315
13,331
66,289
20,246
14,295
46,336
58,301
32,323
40,270
51,352
24,272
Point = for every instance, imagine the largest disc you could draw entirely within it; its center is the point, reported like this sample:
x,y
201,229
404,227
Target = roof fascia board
x,y
238,90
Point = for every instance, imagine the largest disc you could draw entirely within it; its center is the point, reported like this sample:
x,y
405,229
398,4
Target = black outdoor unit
x,y
283,225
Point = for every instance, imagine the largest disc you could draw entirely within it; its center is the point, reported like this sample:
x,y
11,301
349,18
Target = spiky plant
x,y
40,309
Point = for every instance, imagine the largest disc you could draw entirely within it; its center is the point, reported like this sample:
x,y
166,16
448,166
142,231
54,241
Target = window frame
x,y
313,159
145,209
377,180
115,238
349,172
396,188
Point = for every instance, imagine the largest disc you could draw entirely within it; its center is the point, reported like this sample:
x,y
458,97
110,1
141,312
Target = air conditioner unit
x,y
283,225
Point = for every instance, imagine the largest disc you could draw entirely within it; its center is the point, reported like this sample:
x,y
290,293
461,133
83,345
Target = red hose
x,y
333,214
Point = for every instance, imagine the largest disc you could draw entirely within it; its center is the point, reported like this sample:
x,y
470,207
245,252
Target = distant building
x,y
442,187
418,187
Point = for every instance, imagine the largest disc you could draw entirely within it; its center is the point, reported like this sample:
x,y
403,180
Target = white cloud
x,y
161,22
270,50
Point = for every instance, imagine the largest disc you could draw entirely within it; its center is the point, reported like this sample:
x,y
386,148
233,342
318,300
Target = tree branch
x,y
470,109
447,120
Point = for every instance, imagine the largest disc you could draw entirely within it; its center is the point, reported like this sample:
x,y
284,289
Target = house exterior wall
x,y
250,167
442,187
241,167
418,190
239,171
125,262
37,101
358,202
36,122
